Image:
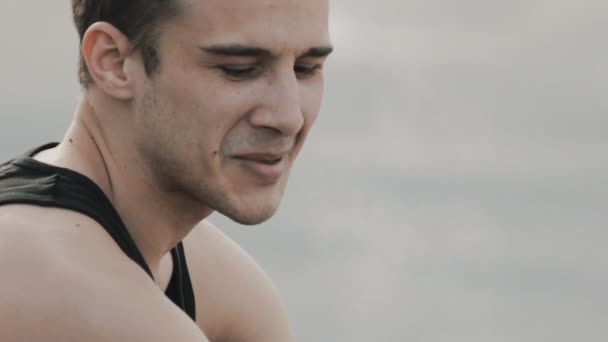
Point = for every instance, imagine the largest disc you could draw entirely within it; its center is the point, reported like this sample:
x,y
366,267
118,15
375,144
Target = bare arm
x,y
59,285
238,300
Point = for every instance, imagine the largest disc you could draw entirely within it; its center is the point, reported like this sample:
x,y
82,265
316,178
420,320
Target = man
x,y
189,106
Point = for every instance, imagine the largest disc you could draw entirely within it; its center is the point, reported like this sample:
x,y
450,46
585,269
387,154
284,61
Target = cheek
x,y
202,118
311,96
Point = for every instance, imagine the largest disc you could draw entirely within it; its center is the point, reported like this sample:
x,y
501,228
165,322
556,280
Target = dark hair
x,y
136,19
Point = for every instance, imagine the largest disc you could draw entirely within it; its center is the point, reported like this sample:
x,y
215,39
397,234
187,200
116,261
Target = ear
x,y
104,50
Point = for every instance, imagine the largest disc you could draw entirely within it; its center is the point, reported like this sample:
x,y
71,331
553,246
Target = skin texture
x,y
168,150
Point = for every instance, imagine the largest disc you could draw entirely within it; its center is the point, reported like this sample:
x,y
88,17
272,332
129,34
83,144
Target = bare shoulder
x,y
236,300
63,279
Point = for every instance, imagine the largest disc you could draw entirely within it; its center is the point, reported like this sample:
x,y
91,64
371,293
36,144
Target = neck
x,y
156,219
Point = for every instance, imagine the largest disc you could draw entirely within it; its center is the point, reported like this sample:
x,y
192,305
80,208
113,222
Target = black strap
x,y
180,285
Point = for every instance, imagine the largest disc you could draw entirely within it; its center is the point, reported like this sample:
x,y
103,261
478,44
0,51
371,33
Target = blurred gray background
x,y
453,187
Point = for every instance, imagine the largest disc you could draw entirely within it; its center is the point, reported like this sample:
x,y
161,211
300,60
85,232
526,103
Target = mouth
x,y
267,167
267,159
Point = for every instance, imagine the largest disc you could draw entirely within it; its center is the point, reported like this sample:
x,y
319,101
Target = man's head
x,y
221,114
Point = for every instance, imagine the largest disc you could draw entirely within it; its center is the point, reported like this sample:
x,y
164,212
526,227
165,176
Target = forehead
x,y
275,24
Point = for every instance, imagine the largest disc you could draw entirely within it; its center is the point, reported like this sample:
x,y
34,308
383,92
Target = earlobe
x,y
105,49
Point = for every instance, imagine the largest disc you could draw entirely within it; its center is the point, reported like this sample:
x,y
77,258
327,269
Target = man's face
x,y
238,87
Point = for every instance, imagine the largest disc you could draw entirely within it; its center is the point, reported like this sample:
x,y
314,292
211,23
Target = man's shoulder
x,y
61,279
236,300
30,232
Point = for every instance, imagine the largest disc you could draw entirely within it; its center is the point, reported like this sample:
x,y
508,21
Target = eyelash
x,y
301,70
240,72
307,70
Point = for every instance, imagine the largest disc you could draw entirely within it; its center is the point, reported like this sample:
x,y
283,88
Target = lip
x,y
268,167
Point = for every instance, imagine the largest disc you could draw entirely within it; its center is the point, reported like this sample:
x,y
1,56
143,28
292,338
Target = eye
x,y
240,72
306,70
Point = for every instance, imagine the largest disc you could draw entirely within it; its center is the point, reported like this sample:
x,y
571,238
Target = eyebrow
x,y
319,51
238,50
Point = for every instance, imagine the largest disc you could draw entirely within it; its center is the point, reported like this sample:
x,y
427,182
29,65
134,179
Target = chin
x,y
251,214
248,206
252,218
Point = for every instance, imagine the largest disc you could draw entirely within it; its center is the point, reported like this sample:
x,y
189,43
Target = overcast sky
x,y
454,188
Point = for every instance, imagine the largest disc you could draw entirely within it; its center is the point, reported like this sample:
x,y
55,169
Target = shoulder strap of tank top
x,y
46,185
180,285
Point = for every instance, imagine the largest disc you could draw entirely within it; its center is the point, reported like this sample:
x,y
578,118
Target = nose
x,y
281,109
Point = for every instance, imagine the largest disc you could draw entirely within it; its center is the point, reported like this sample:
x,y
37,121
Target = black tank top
x,y
25,180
